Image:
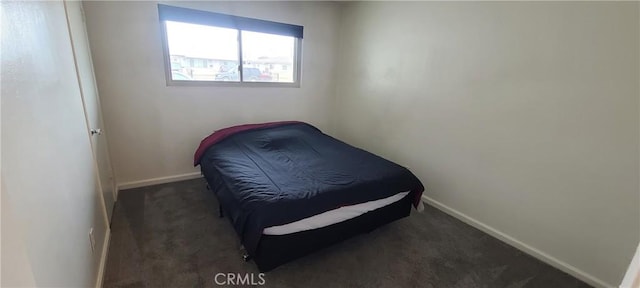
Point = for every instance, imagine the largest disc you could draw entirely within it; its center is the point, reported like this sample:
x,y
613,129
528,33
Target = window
x,y
212,48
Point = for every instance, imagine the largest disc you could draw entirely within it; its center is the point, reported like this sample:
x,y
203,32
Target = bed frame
x,y
275,250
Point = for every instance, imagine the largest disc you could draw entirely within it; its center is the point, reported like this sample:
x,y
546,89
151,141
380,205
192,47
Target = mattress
x,y
333,216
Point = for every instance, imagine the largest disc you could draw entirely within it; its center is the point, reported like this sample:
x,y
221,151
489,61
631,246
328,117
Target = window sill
x,y
195,83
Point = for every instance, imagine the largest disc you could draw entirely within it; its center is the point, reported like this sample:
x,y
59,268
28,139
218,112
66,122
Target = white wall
x,y
49,193
523,116
154,129
15,268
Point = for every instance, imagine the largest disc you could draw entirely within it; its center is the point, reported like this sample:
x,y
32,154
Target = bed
x,y
289,190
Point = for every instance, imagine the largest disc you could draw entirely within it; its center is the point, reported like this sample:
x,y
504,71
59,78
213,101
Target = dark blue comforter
x,y
277,175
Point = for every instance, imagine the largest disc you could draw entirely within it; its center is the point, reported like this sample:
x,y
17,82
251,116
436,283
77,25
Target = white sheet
x,y
333,216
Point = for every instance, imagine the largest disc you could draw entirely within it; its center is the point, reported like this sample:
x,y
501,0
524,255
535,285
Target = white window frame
x,y
297,64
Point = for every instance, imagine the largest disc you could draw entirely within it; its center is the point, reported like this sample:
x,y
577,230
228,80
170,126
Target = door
x,y
89,91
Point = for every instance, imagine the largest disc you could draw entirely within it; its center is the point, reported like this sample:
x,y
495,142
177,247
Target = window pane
x,y
204,53
267,57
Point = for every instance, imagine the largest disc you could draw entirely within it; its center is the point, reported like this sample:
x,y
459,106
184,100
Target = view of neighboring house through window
x,y
191,45
267,53
212,47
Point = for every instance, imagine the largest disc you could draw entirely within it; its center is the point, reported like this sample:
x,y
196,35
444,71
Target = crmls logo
x,y
239,279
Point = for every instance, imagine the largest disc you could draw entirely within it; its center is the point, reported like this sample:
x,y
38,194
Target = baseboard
x,y
544,257
632,277
103,258
159,180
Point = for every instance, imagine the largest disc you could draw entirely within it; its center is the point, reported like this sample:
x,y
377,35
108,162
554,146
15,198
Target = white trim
x,y
103,258
159,180
542,256
633,273
114,191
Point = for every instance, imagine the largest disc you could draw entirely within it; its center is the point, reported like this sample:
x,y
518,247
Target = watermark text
x,y
240,279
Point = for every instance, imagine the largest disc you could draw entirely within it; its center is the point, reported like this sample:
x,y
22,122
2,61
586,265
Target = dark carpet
x,y
170,236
